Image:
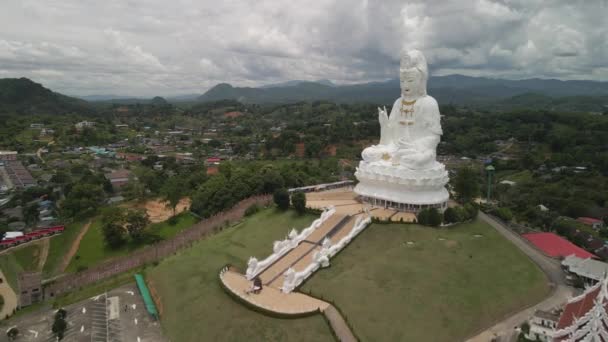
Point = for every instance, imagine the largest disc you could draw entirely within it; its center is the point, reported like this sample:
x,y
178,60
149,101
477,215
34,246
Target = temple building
x,y
585,317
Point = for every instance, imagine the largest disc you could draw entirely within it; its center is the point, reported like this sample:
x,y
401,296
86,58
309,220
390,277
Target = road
x,y
552,268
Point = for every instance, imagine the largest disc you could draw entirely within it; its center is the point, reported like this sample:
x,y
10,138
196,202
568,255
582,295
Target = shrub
x,y
434,217
254,208
298,200
504,213
471,211
281,198
450,215
423,217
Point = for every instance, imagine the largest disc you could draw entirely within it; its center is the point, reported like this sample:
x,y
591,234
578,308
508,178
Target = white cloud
x,y
185,46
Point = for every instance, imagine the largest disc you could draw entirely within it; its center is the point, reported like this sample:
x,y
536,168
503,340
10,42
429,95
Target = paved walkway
x,y
560,292
270,298
338,324
10,298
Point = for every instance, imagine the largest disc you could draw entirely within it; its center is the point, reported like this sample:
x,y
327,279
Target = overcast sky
x,y
162,47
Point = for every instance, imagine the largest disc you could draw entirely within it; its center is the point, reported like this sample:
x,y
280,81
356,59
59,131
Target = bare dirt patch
x,y
159,211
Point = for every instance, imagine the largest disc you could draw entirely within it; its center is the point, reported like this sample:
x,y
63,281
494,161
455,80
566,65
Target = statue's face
x,y
410,80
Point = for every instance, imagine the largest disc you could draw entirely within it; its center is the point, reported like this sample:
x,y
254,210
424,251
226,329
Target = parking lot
x,y
116,316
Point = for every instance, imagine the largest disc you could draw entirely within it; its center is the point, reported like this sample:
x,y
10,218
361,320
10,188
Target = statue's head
x,y
413,74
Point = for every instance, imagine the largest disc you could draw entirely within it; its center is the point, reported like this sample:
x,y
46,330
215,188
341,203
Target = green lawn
x,y
167,230
28,257
92,249
444,286
60,245
11,268
23,259
195,308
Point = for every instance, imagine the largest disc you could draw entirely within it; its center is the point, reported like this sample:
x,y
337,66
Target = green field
x,y
60,245
443,286
11,268
22,259
28,257
92,249
195,308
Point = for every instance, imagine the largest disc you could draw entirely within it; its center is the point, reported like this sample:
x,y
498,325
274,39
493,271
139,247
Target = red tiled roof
x,y
577,308
588,220
554,245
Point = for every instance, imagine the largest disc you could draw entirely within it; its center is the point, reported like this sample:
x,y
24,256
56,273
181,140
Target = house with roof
x,y
118,178
590,271
591,222
542,326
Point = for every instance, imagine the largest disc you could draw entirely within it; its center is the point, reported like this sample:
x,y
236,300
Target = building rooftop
x,y
588,268
555,246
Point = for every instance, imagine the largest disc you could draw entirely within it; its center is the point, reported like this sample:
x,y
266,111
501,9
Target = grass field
x,y
28,257
92,249
60,245
22,259
11,268
195,308
442,286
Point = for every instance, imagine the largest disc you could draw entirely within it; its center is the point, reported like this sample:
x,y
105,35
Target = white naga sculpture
x,y
401,171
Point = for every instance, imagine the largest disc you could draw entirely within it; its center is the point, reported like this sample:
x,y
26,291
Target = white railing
x,y
321,258
280,248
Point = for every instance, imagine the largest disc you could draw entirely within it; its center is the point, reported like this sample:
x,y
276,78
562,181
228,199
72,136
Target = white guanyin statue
x,y
402,171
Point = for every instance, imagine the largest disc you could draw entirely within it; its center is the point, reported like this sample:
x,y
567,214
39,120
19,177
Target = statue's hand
x,y
382,116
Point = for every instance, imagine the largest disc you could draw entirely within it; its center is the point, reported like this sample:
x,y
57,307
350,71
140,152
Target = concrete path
x,y
551,267
338,324
74,248
10,298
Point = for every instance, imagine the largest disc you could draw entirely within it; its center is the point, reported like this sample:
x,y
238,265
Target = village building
x,y
591,222
542,325
118,178
83,124
30,288
8,155
590,271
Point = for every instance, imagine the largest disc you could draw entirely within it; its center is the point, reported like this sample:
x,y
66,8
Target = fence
x,y
153,253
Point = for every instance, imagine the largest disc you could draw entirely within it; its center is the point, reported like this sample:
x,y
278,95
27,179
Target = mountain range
x,y
25,96
454,89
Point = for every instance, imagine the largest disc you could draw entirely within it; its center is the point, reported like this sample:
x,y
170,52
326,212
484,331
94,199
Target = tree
x,y
281,198
113,234
466,185
298,200
450,215
434,217
135,222
471,209
59,325
12,333
504,213
423,217
30,214
172,192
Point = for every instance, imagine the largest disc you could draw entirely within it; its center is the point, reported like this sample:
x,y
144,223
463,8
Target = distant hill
x,y
297,82
23,96
455,89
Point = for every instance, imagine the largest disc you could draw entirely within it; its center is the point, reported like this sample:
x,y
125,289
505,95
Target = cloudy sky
x,y
160,47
